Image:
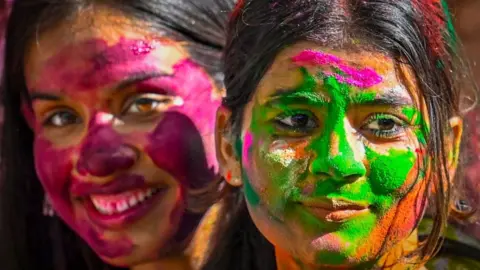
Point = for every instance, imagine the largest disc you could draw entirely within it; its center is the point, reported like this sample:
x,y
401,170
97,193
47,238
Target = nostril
x,y
352,178
104,162
124,157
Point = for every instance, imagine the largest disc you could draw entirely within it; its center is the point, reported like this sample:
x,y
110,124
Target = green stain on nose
x,y
335,155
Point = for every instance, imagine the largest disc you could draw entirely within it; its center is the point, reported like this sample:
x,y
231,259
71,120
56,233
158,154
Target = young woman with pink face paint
x,y
109,116
341,125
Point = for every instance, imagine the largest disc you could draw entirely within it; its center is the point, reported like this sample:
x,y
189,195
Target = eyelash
x,y
301,130
400,126
49,121
149,97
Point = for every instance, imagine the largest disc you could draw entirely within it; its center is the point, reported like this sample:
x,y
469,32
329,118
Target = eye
x,y
384,125
143,105
299,122
151,103
62,119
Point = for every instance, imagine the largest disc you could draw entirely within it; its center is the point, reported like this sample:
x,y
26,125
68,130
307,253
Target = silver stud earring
x,y
47,207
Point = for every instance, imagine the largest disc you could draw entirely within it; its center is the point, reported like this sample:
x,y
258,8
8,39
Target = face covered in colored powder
x,y
332,155
123,123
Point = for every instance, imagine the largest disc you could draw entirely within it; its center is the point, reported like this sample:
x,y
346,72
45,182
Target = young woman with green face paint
x,y
340,125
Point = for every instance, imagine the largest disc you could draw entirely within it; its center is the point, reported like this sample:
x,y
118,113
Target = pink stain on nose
x,y
102,118
362,78
103,151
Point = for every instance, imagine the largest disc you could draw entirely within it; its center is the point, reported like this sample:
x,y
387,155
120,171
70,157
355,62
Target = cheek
x,y
386,178
196,88
274,169
53,167
176,146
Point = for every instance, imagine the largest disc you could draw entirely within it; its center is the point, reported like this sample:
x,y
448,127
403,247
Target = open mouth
x,y
114,211
120,203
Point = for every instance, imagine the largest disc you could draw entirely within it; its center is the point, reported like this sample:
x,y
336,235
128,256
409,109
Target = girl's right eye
x,y
299,122
62,118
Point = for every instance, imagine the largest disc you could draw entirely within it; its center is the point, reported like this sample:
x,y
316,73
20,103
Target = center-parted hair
x,y
31,240
418,33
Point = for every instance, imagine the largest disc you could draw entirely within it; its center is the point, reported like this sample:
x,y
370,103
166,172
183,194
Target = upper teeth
x,y
111,204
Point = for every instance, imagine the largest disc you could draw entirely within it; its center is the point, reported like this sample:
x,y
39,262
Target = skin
x,y
321,131
113,104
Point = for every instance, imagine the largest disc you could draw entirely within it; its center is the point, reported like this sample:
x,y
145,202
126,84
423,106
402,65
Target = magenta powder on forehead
x,y
362,78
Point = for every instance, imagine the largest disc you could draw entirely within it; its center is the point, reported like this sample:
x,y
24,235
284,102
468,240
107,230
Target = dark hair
x,y
30,240
416,32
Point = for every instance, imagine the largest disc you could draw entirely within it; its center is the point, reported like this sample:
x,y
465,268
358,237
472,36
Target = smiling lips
x,y
334,210
118,203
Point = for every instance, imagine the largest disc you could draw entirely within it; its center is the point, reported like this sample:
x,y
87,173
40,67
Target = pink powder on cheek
x,y
54,169
362,78
246,148
196,121
183,142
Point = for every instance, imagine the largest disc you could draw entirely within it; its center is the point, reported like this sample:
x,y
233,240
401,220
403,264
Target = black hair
x,y
29,239
416,32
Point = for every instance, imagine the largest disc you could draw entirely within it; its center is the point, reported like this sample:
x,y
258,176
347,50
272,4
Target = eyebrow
x,y
294,96
139,77
390,98
127,82
43,96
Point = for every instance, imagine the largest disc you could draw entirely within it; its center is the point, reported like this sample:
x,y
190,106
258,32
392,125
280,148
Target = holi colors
x,y
332,164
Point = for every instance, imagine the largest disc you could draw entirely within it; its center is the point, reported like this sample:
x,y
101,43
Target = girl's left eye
x,y
384,125
143,105
150,103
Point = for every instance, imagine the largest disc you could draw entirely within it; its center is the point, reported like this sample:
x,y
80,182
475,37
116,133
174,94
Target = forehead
x,y
285,72
97,39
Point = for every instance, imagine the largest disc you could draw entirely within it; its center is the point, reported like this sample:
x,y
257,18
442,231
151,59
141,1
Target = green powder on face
x,y
336,157
420,126
389,172
250,194
344,163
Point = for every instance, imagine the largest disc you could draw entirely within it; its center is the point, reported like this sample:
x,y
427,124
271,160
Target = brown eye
x,y
384,125
143,105
301,122
62,119
150,103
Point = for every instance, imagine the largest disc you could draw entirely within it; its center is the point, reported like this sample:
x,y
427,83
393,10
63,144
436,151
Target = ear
x,y
224,144
454,141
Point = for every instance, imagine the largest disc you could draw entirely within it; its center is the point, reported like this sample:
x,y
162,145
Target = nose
x,y
335,157
103,153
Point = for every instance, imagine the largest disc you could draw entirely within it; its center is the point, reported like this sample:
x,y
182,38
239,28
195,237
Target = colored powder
x,y
344,163
452,34
384,177
362,78
421,127
250,194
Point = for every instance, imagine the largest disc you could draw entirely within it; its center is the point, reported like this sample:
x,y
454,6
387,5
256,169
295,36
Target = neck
x,y
180,262
392,260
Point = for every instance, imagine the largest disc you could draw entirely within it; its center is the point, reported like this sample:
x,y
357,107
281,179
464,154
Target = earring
x,y
234,181
47,207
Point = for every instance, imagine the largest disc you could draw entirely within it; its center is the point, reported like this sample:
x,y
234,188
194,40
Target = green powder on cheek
x,y
389,172
421,127
250,194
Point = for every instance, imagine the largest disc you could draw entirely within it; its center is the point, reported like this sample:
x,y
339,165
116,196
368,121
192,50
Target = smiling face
x,y
123,123
333,155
